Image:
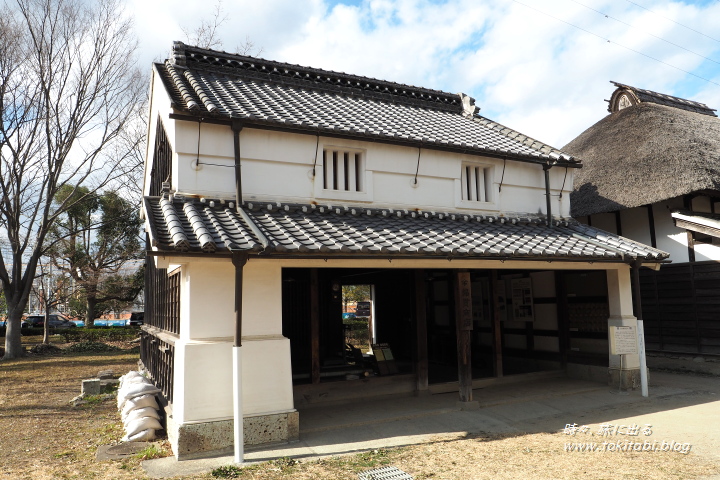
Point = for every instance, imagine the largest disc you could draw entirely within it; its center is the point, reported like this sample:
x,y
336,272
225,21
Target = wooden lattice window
x,y
343,170
162,161
476,183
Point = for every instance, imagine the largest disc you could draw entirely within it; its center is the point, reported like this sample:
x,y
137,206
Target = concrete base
x,y
465,406
204,439
627,379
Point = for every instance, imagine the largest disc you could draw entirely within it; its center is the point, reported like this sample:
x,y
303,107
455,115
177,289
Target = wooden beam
x,y
421,365
497,324
314,326
651,223
463,327
618,223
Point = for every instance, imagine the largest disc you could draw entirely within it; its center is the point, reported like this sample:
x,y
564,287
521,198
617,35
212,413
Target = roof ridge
x,y
649,96
183,56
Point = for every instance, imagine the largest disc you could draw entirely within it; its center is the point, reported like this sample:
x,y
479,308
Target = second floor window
x,y
343,170
476,183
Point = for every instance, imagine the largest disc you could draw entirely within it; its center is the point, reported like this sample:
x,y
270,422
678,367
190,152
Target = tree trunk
x,y
90,304
13,343
46,327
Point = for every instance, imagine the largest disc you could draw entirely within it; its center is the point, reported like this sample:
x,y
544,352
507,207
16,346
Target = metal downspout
x,y
546,169
239,260
236,128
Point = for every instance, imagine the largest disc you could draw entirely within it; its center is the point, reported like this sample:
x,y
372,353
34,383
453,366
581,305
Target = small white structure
x,y
269,186
652,173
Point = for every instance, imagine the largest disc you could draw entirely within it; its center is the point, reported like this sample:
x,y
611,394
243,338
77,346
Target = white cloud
x,y
535,73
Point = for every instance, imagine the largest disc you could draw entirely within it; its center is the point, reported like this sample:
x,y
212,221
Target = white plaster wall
x,y
206,369
203,355
277,166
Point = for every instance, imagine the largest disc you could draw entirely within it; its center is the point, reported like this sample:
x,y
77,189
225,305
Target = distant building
x,y
651,172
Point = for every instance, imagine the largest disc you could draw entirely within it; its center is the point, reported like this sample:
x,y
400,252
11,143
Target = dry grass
x,y
43,437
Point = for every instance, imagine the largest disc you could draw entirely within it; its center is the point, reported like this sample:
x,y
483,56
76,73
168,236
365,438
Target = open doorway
x,y
357,316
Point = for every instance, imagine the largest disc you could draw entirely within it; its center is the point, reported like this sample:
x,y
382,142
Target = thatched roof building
x,y
652,147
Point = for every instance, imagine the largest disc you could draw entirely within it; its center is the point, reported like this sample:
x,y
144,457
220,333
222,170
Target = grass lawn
x,y
43,437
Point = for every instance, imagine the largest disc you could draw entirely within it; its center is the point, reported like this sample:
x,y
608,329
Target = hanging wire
x,y
563,185
417,169
502,178
646,33
616,43
317,144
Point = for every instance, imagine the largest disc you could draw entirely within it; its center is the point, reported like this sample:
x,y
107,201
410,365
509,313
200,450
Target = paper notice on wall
x,y
522,300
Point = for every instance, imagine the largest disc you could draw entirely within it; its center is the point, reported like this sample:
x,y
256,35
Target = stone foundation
x,y
627,379
204,439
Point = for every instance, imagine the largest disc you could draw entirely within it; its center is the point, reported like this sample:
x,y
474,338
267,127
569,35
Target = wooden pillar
x,y
563,316
464,326
421,365
314,326
498,308
687,203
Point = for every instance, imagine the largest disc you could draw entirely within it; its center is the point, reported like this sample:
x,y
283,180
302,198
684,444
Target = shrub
x,y
99,334
91,347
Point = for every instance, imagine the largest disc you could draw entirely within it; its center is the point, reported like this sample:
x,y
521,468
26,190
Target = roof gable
x,y
625,96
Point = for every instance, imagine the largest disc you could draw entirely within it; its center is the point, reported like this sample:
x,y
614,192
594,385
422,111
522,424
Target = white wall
x,y
203,354
277,166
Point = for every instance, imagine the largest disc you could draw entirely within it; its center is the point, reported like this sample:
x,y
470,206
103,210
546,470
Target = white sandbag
x,y
145,423
126,383
140,413
136,390
144,436
138,402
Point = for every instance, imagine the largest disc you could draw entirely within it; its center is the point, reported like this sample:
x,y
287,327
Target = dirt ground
x,y
43,437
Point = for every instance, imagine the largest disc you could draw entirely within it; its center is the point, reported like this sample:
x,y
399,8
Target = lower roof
x,y
180,224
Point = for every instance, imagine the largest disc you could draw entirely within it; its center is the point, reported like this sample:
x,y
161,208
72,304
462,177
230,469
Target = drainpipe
x,y
637,303
546,169
236,128
239,259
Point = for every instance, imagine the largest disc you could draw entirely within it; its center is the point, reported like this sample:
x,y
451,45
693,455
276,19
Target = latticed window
x,y
343,170
476,183
162,161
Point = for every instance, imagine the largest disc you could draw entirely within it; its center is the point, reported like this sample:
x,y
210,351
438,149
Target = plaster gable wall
x,y
278,166
159,108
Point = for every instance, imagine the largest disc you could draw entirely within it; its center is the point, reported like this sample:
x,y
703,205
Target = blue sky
x,y
540,66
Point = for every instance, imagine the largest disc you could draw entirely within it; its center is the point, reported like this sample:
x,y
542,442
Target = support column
x,y
464,326
497,324
621,315
314,326
421,365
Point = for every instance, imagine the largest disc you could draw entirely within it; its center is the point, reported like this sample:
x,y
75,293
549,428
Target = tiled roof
x,y
207,83
188,224
648,96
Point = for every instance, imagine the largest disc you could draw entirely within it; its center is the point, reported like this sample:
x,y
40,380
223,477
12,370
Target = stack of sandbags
x,y
138,407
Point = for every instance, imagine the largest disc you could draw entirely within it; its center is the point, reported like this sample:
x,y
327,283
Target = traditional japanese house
x,y
269,186
651,172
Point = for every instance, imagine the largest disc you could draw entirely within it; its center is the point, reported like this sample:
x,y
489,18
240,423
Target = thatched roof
x,y
644,153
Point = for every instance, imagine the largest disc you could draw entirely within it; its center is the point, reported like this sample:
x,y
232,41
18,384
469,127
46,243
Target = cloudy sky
x,y
540,66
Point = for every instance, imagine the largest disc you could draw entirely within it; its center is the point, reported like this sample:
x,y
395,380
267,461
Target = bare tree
x,y
69,88
207,35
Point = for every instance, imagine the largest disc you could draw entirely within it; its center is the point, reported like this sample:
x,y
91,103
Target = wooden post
x,y
497,324
464,327
421,365
314,326
562,316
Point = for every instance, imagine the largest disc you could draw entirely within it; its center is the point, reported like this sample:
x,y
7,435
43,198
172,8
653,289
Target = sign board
x,y
522,300
623,340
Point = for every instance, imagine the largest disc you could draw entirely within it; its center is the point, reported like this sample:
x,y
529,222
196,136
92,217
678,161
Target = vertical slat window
x,y
342,170
475,181
162,161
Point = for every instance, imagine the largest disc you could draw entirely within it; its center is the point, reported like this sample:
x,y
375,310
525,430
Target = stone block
x,y
91,386
196,440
